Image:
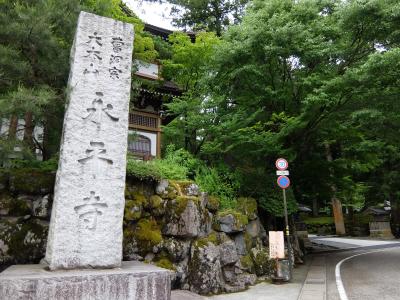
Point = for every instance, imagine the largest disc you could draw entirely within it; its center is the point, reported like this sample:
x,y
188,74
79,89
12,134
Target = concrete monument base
x,y
134,280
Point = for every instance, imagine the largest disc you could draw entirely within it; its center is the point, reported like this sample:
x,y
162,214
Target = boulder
x,y
41,207
212,203
184,217
192,190
228,253
230,222
161,187
205,274
176,250
262,264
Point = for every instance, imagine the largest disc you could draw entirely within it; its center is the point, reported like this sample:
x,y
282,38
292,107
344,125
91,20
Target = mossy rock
x,y
135,206
204,241
262,263
178,205
248,207
148,235
25,240
156,205
170,193
165,263
247,263
29,181
230,221
213,203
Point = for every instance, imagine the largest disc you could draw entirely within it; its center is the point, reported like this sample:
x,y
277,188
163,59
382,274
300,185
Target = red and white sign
x,y
281,164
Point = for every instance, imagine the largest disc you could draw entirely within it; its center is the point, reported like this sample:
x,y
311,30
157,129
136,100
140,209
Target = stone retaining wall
x,y
170,224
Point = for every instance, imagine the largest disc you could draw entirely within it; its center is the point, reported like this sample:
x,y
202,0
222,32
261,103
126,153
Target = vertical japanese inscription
x,y
86,221
93,53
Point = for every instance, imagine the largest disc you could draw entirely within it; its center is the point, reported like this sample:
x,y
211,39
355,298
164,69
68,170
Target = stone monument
x,y
84,247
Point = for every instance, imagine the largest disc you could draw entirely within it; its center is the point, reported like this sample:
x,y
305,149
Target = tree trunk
x,y
395,216
336,203
12,129
315,207
28,133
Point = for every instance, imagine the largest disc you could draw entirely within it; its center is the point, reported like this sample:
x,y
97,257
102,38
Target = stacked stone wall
x,y
170,224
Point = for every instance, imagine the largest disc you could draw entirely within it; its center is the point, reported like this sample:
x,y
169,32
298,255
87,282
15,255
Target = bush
x,y
142,170
50,165
213,183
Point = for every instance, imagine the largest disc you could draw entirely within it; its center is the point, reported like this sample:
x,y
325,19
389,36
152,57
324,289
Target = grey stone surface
x,y
205,273
229,224
228,253
192,222
133,281
40,206
87,213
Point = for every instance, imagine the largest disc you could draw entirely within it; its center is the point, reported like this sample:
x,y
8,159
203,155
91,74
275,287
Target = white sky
x,y
152,13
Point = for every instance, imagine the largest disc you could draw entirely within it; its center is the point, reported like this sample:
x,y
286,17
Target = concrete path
x,y
314,287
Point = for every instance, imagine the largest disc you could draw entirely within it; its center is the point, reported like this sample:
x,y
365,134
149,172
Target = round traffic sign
x,y
283,182
281,164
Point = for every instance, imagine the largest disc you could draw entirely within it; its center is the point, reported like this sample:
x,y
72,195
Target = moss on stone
x,y
241,220
178,205
213,203
148,234
262,263
170,192
31,181
134,207
204,241
247,263
25,240
166,264
248,207
155,202
248,241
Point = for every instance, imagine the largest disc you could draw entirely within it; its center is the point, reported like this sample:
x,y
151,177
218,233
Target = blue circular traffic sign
x,y
283,182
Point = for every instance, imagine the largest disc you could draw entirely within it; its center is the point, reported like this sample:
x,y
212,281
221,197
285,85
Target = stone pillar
x,y
87,214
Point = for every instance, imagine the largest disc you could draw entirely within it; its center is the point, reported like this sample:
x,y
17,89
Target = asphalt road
x,y
374,274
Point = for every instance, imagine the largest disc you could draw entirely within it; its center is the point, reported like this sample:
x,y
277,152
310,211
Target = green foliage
x,y
50,165
214,183
209,15
319,221
142,170
174,167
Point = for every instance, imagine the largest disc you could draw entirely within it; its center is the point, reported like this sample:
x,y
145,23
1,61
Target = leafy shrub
x,y
50,165
211,181
142,170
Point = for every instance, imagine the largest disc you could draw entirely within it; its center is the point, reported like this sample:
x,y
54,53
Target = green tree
x,y
297,79
209,15
35,42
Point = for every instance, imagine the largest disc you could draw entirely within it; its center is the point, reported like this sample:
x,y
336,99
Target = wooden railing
x,y
144,120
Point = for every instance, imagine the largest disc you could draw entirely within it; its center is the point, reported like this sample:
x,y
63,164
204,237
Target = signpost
x,y
284,182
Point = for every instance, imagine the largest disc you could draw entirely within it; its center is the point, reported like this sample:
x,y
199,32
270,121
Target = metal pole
x,y
287,233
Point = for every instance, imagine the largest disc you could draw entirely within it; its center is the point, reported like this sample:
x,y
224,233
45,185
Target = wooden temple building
x,y
146,114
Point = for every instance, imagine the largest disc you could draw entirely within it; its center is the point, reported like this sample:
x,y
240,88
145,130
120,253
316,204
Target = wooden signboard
x,y
276,245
